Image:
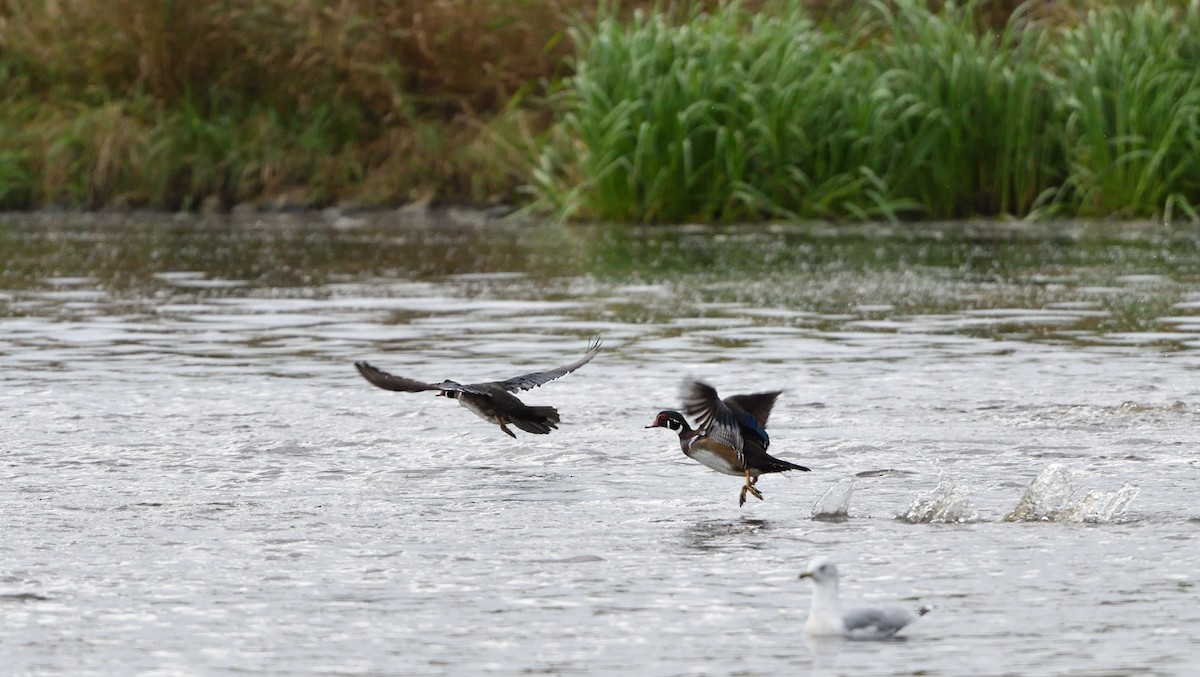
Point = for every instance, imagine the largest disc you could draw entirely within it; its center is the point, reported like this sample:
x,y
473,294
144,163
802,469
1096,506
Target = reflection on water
x,y
195,480
720,534
983,280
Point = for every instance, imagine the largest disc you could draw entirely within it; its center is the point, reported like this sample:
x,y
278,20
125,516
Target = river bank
x,y
746,112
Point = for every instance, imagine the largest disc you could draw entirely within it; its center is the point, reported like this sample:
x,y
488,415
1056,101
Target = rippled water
x,y
196,481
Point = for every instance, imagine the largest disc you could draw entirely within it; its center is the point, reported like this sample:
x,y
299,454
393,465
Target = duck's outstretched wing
x,y
714,418
733,419
527,381
751,412
388,381
485,389
758,405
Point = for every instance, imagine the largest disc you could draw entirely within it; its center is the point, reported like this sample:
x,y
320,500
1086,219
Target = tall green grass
x,y
732,115
1131,97
971,113
729,115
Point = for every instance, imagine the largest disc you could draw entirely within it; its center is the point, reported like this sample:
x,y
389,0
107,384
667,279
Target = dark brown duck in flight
x,y
491,401
730,435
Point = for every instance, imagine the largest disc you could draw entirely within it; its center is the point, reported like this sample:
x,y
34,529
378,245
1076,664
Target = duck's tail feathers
x,y
780,465
538,420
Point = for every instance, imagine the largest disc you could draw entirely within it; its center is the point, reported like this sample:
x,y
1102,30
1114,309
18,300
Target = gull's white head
x,y
821,570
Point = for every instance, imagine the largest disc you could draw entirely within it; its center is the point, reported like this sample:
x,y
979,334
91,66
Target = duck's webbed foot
x,y
507,431
749,487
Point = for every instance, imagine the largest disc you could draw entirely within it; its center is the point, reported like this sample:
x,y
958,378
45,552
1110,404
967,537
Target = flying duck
x,y
492,401
730,435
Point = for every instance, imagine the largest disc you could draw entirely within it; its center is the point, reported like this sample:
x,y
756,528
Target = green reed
x,y
971,113
1132,103
722,116
733,115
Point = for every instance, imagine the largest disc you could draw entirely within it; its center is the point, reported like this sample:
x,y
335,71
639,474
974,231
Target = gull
x,y
829,617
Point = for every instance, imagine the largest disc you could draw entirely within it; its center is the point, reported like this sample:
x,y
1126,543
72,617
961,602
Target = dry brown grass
x,y
448,56
373,101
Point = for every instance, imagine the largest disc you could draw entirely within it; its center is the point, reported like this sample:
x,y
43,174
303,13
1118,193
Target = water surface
x,y
196,481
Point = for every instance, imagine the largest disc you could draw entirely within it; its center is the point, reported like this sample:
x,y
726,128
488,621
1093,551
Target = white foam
x,y
947,503
1052,497
834,504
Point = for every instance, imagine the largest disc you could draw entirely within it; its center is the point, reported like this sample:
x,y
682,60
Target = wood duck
x,y
491,401
730,435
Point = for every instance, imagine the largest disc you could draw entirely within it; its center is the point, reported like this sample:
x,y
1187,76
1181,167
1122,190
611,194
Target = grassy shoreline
x,y
794,110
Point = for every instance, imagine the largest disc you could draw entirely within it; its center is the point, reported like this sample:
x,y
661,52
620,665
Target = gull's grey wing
x,y
388,381
713,417
527,381
875,621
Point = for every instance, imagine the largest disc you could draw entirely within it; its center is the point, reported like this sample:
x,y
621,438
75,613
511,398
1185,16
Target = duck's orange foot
x,y
750,481
748,489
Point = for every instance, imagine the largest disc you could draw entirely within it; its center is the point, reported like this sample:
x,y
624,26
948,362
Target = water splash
x,y
834,504
1052,497
945,504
